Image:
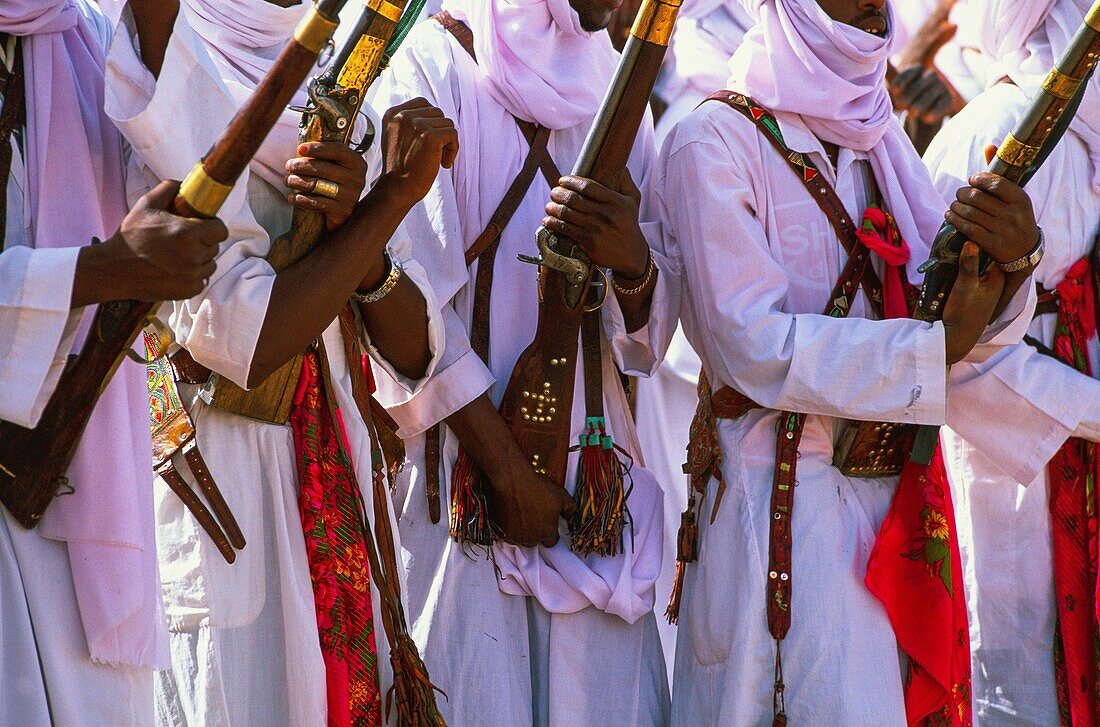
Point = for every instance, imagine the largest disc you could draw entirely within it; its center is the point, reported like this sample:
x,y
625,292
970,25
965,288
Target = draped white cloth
x,y
759,261
245,647
997,462
588,621
48,675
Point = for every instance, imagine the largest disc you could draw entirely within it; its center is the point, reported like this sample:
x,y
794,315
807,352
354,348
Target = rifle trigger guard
x,y
601,292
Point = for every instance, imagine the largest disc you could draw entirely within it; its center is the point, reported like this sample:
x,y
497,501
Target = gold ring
x,y
325,188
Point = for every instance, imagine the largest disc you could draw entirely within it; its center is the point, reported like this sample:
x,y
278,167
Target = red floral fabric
x,y
915,568
1072,475
333,521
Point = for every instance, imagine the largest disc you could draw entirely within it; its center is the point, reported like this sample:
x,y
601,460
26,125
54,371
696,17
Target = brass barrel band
x,y
205,194
1092,19
385,8
1016,153
314,31
1061,85
655,21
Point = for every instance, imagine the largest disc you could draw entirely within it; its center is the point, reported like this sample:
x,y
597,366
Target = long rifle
x,y
335,98
1018,158
33,461
545,374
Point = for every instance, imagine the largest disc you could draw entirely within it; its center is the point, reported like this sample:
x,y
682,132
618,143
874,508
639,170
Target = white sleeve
x,y
735,294
37,327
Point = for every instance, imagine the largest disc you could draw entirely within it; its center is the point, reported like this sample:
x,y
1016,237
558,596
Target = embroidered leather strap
x,y
856,270
484,249
12,96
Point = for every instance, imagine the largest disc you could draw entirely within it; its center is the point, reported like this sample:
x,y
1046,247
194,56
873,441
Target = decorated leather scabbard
x,y
33,462
538,401
1021,154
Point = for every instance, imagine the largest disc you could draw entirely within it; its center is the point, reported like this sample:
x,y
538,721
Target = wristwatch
x,y
1029,260
392,277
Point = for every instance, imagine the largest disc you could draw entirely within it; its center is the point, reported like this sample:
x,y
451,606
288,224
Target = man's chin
x,y
594,24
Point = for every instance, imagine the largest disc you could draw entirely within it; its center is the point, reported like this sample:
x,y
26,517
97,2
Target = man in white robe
x,y
245,642
80,614
1000,474
760,260
539,636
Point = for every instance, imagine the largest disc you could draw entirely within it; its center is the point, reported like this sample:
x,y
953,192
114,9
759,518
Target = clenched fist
x,y
154,256
327,177
417,139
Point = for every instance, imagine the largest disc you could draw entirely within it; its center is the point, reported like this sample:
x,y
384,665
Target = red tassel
x,y
469,510
597,526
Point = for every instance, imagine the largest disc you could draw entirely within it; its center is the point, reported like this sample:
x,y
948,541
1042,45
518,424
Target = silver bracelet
x,y
1031,259
394,275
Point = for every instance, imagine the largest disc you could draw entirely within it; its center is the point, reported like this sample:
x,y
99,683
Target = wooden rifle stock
x,y
1021,154
335,99
33,462
538,402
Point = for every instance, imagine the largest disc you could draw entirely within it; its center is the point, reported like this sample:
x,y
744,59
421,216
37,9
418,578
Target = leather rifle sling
x,y
483,251
12,96
856,270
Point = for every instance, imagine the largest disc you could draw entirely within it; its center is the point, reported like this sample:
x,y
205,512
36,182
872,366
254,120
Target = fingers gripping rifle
x,y
1021,154
548,367
335,98
33,462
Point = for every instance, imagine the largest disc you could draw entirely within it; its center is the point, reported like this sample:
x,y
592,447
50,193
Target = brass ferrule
x,y
385,8
314,31
1016,153
655,21
1060,85
205,194
1092,18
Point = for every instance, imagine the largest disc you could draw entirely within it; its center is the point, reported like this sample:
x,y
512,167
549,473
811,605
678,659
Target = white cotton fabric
x,y
1014,409
1024,40
539,63
245,647
587,622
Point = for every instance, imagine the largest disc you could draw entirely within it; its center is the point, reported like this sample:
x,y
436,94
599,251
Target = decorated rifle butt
x,y
538,403
1020,155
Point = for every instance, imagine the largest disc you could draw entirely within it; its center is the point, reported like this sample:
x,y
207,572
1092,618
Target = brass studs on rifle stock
x,y
540,402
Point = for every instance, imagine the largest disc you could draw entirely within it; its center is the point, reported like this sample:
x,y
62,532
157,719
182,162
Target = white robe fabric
x,y
759,261
46,674
245,647
584,649
998,473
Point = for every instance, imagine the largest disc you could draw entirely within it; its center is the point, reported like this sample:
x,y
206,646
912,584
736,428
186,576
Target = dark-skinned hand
x,y
154,256
997,215
417,139
525,506
922,93
971,304
331,161
602,221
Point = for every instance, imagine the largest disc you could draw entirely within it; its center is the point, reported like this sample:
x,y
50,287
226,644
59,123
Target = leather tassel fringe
x,y
412,692
597,526
687,551
469,509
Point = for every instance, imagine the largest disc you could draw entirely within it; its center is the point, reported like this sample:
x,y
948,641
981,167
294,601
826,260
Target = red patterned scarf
x,y
1072,474
915,568
334,523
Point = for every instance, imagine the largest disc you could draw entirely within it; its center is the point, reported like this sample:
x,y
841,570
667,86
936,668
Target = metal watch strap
x,y
392,277
1030,260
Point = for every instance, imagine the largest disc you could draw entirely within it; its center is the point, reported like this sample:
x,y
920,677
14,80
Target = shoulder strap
x,y
816,184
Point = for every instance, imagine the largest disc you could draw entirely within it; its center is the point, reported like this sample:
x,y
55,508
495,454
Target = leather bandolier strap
x,y
729,403
483,251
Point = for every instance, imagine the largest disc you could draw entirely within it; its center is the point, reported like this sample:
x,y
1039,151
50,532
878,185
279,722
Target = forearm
x,y
398,328
485,436
1013,283
154,20
307,296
